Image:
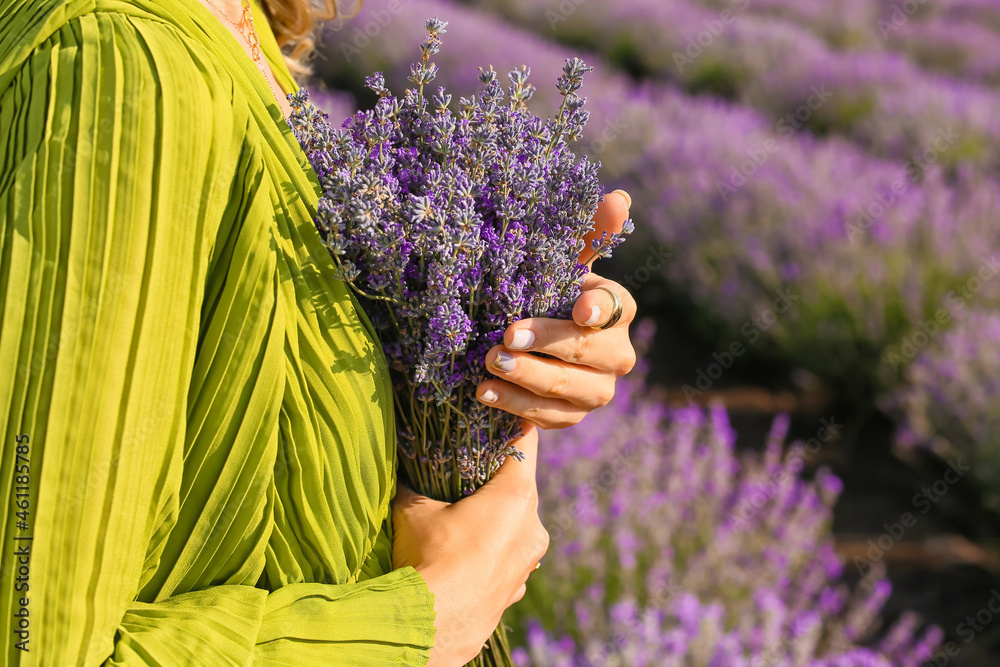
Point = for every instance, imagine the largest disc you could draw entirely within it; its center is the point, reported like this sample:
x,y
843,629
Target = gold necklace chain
x,y
253,43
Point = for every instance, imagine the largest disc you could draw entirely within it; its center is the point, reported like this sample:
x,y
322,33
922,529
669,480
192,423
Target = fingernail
x,y
595,316
489,396
504,362
523,339
627,196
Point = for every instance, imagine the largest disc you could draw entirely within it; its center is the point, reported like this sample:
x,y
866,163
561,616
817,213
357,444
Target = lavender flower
x,y
950,402
668,549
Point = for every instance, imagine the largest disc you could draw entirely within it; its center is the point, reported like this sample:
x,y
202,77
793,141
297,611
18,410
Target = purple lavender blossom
x,y
950,402
669,549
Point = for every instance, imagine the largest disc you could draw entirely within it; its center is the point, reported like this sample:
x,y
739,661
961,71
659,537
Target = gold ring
x,y
616,312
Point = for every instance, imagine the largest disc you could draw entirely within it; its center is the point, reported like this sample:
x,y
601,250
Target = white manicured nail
x,y
489,396
595,316
627,197
504,362
523,339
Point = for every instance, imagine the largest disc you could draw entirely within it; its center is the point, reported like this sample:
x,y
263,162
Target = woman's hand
x,y
475,554
559,392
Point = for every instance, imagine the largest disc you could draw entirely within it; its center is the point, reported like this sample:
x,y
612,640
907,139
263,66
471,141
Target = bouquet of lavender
x,y
453,225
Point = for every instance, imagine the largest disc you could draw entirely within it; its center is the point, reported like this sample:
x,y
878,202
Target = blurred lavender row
x,y
960,38
958,47
670,549
878,99
950,401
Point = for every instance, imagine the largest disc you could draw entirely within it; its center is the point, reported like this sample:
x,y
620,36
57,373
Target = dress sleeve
x,y
115,174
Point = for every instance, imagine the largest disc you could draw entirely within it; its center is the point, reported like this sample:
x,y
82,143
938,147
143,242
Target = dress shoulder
x,y
105,87
137,34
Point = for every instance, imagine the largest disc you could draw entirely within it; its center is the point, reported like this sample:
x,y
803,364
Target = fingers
x,y
582,387
533,550
539,546
594,308
578,375
608,351
610,216
547,413
514,494
584,313
575,342
518,595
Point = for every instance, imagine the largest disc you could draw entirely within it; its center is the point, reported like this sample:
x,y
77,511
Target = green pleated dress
x,y
211,446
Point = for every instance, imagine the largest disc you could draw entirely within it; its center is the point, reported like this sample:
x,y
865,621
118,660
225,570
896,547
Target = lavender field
x,y
805,470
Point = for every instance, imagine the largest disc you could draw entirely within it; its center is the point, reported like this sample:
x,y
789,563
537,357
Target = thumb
x,y
523,470
404,495
406,498
611,215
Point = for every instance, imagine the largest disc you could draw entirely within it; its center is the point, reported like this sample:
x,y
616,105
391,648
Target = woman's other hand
x,y
559,392
475,554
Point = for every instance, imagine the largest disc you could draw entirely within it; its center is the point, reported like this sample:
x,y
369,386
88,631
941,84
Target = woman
x,y
199,454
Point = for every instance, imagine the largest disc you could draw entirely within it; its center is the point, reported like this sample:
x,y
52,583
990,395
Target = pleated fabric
x,y
212,451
